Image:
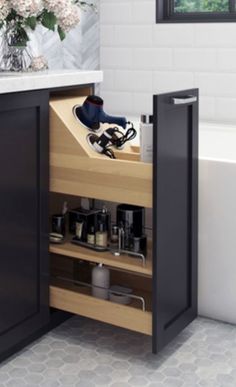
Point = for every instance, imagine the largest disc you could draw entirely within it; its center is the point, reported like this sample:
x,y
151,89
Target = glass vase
x,y
14,55
18,55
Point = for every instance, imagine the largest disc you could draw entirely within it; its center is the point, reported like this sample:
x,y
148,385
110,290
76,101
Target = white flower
x,y
39,63
66,12
4,9
70,18
26,8
58,7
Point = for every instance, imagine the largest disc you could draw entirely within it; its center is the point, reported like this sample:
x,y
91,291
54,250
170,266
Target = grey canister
x,y
100,282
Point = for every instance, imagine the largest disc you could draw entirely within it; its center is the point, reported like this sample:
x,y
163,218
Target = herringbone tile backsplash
x,y
80,49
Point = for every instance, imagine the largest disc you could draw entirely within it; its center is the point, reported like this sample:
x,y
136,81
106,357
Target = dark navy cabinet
x,y
24,214
24,186
175,214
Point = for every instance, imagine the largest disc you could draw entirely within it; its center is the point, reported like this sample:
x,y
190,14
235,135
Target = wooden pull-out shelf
x,y
74,299
76,169
123,262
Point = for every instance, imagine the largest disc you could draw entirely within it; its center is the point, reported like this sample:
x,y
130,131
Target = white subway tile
x,y
172,80
141,58
152,58
219,35
207,108
142,103
108,80
226,60
144,12
106,35
133,35
226,110
218,85
118,102
116,58
194,59
116,12
173,35
133,81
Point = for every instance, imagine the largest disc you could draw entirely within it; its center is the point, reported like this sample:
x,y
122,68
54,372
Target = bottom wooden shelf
x,y
75,299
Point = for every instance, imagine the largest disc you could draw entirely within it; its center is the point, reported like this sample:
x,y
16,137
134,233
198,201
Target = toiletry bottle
x,y
91,236
79,229
100,282
146,138
104,217
114,234
101,235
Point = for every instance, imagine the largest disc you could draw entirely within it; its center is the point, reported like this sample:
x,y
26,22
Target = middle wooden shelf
x,y
122,262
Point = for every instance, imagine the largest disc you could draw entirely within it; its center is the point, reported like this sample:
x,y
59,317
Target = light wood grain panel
x,y
124,262
77,170
113,180
63,109
123,316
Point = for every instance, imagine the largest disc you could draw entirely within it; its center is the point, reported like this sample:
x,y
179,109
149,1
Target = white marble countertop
x,y
15,82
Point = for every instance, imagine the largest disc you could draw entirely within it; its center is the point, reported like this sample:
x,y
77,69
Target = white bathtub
x,y
217,222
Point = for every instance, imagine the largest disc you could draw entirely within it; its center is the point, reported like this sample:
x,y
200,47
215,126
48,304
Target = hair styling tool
x,y
101,143
111,137
91,114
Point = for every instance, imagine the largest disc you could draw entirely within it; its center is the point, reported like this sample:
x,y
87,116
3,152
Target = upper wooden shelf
x,y
124,262
77,170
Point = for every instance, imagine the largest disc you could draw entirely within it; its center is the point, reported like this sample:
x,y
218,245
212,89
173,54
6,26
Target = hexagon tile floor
x,y
85,353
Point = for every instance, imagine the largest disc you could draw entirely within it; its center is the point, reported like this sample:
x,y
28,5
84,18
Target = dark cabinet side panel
x,y
24,305
174,215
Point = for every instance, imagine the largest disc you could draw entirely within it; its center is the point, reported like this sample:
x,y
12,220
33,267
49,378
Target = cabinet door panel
x,y
175,213
23,220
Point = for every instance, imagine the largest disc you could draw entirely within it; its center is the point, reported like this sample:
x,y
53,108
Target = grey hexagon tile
x,y
87,375
51,383
85,383
54,363
16,383
103,380
138,381
70,369
20,362
34,379
156,377
120,375
120,365
85,353
37,358
68,380
57,354
4,376
52,373
19,372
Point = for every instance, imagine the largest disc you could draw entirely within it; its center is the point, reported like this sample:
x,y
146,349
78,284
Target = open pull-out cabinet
x,y
168,280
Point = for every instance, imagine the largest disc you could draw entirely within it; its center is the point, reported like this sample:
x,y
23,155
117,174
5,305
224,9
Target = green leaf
x,y
61,33
49,20
31,22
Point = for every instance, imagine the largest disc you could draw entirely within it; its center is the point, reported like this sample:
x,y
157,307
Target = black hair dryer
x,y
91,114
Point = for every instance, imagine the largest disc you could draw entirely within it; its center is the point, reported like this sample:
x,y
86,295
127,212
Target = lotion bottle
x,y
146,138
100,282
102,235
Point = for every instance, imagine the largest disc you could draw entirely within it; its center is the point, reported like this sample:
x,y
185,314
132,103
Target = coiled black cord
x,y
119,141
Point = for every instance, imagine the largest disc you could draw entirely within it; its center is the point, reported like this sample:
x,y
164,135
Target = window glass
x,y
185,6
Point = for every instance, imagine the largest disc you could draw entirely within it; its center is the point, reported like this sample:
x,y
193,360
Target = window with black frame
x,y
195,11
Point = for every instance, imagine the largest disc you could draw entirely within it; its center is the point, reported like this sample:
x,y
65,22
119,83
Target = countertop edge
x,y
48,80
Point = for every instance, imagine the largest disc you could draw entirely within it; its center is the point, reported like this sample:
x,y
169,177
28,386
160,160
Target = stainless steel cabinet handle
x,y
184,100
